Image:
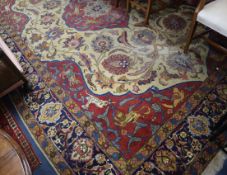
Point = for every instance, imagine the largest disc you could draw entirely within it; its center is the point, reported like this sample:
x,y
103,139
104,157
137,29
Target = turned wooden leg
x,y
117,3
190,34
146,22
128,5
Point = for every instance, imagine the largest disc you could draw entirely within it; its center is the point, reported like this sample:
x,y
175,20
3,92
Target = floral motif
x,y
52,132
183,135
169,143
180,61
72,106
222,91
143,37
34,1
47,18
34,106
189,154
196,145
50,113
52,4
59,91
44,46
75,42
34,79
198,125
178,96
212,97
117,64
166,160
79,131
149,78
65,123
148,166
94,15
174,22
82,150
100,158
102,43
97,8
35,37
54,33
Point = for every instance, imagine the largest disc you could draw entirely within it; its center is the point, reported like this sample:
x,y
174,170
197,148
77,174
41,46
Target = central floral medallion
x,y
117,64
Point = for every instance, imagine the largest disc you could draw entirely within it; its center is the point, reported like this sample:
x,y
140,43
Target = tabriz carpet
x,y
119,98
9,124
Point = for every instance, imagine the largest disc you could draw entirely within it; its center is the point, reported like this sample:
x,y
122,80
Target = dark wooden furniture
x,y
12,158
10,71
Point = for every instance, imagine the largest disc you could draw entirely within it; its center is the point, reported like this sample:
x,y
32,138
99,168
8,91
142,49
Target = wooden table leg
x,y
117,3
128,5
146,22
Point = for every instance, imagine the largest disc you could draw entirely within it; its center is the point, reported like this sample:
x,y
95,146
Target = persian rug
x,y
112,97
9,124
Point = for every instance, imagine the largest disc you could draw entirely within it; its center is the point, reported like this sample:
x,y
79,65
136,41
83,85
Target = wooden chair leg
x,y
148,12
161,4
117,3
190,34
128,5
216,45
